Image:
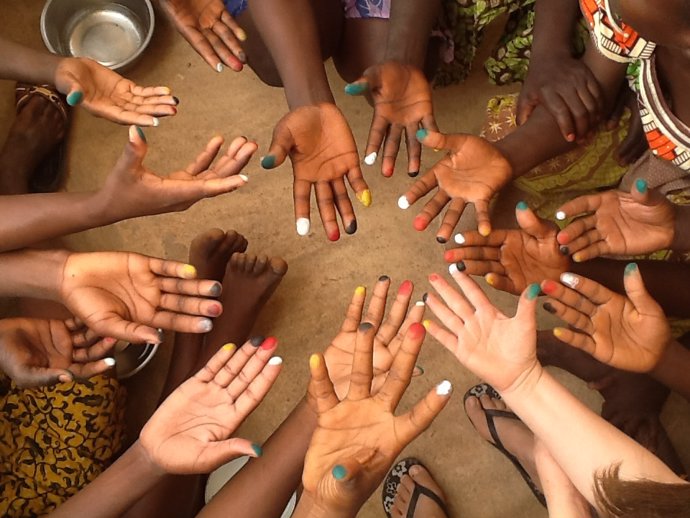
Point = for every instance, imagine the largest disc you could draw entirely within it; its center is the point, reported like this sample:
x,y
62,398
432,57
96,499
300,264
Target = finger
x,y
450,220
568,296
235,361
396,315
253,367
302,192
501,282
175,269
353,315
232,23
591,104
574,318
256,391
471,290
362,369
358,87
637,292
96,351
525,106
377,304
431,209
202,46
356,180
442,335
595,292
414,150
282,142
39,377
400,373
204,159
475,253
474,238
456,302
481,210
424,412
575,339
377,134
84,371
113,325
447,317
481,267
580,205
230,40
181,323
433,139
418,190
321,392
391,148
576,229
429,123
223,52
578,112
415,315
219,452
343,482
237,156
559,110
344,206
326,205
190,287
588,246
191,305
530,222
596,92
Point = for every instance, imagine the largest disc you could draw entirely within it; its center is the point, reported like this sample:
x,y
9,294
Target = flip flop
x,y
392,483
46,177
490,414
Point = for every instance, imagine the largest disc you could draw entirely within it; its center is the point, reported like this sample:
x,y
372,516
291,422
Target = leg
x,y
422,507
363,44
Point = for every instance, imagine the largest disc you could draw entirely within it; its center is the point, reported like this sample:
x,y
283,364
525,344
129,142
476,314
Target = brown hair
x,y
640,498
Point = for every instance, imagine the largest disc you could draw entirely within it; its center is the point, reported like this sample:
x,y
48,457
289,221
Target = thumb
x,y
134,153
343,478
525,107
637,292
280,147
641,193
75,93
530,222
359,87
527,305
216,454
432,139
41,377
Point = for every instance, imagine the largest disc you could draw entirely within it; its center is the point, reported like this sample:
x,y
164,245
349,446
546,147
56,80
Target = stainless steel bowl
x,y
112,32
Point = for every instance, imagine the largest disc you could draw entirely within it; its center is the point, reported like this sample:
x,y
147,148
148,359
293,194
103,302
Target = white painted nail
x,y
303,225
459,239
156,122
244,177
133,134
403,203
444,388
370,159
110,362
570,279
219,67
205,325
453,269
275,360
419,303
560,215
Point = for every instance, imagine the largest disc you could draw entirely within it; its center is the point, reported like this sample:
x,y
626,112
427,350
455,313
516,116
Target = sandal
x,y
490,414
46,177
392,483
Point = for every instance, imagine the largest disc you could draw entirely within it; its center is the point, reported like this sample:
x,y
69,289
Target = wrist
x,y
143,459
526,384
44,277
309,507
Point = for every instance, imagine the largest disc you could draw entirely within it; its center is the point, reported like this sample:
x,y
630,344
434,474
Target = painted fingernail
x,y
570,137
641,185
548,307
558,332
314,361
384,278
630,268
533,291
229,347
155,122
242,56
268,162
258,450
484,230
256,341
205,325
110,362
564,250
577,257
420,223
416,330
351,228
219,67
275,360
412,174
403,203
334,234
425,296
364,197
444,388
420,303
141,133
549,286
422,134
370,159
216,290
490,279
75,98
188,271
522,205
241,35
356,88
303,225
457,267
176,100
426,323
64,378
459,239
441,239
215,310
360,290
570,279
433,277
560,215
406,288
387,172
365,326
339,472
269,343
244,177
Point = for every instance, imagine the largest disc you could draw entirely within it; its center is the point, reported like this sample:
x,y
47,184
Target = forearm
x,y
554,24
32,273
288,28
116,489
672,369
681,231
309,508
410,26
21,63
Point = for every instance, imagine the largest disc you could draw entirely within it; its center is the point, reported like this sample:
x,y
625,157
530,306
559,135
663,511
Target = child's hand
x,y
512,259
629,333
210,30
107,94
128,296
500,350
359,437
36,352
473,171
133,190
190,433
617,223
389,334
402,103
323,151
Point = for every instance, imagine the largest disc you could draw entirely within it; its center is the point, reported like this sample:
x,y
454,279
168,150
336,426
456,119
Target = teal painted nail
x,y
522,206
339,472
631,267
257,449
141,133
533,291
641,185
422,134
268,162
74,98
356,88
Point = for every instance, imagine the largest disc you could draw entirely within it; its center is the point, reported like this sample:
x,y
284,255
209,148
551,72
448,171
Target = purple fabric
x,y
235,7
353,8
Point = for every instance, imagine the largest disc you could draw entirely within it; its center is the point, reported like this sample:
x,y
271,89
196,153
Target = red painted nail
x,y
562,238
269,343
388,172
406,288
549,286
334,236
416,330
420,223
434,277
214,310
449,256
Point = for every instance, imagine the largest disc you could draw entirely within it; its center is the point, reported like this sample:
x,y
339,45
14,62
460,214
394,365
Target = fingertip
x,y
562,238
484,229
75,97
641,185
532,291
630,268
339,472
422,133
268,161
356,88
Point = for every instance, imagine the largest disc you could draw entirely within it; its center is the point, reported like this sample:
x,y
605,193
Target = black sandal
x,y
392,483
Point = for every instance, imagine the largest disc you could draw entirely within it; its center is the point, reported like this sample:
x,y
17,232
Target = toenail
x,y
414,470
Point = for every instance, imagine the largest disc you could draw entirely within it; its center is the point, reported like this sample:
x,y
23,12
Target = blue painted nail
x,y
422,134
533,291
216,290
141,133
522,206
257,449
641,185
631,267
268,162
75,98
339,472
356,88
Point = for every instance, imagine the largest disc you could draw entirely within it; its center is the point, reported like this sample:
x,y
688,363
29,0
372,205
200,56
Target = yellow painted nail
x,y
314,361
577,258
490,279
188,271
436,150
167,90
229,347
557,332
364,197
426,324
484,231
241,35
360,290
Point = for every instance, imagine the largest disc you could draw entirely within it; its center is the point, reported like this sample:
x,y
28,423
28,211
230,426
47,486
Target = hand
x,y
107,94
190,432
389,334
512,259
358,438
322,150
568,90
127,296
627,332
402,103
210,30
132,190
500,350
618,224
472,172
36,352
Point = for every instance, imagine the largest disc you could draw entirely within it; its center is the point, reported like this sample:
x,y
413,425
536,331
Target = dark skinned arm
x,y
410,25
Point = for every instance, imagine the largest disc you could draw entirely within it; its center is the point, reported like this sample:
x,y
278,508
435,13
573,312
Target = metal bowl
x,y
114,33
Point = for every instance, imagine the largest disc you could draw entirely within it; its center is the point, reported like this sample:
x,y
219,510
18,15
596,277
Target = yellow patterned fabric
x,y
55,440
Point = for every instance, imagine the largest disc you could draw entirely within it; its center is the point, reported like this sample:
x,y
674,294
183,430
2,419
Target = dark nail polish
x,y
141,133
412,174
424,297
461,266
384,278
352,227
216,290
564,250
176,99
548,307
242,57
442,240
365,326
256,341
268,162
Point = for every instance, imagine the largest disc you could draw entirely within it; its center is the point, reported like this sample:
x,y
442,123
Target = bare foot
x,y
425,507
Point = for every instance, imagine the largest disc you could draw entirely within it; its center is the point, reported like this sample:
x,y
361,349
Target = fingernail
x,y
256,341
533,291
156,122
219,67
384,278
406,288
229,347
314,361
564,250
570,279
258,450
641,185
242,56
484,230
577,257
387,172
457,267
303,225
420,303
351,228
269,343
630,268
360,290
490,279
334,234
64,378
422,134
75,98
216,290
433,277
522,206
370,159
275,360
365,326
425,296
176,100
426,323
549,286
339,472
560,215
570,137
241,35
420,223
548,307
364,197
403,203
356,88
557,332
205,325
110,362
188,271
141,133
444,388
244,177
441,239
412,174
268,161
215,310
459,239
